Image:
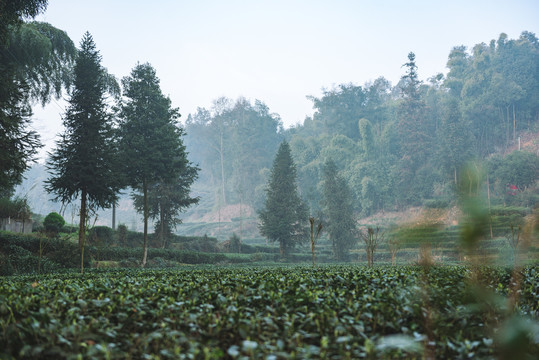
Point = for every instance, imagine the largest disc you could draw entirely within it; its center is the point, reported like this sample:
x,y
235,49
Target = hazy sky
x,y
277,51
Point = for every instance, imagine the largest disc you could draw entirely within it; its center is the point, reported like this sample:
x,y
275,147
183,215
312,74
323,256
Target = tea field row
x,y
338,312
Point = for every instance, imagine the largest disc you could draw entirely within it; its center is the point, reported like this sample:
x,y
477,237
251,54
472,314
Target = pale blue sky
x,y
277,51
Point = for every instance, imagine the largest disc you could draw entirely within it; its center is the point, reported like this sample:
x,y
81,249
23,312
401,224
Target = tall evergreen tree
x,y
338,211
284,216
152,150
411,113
414,138
83,162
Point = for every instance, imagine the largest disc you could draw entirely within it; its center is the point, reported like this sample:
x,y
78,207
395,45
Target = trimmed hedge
x,y
102,235
20,254
253,249
180,256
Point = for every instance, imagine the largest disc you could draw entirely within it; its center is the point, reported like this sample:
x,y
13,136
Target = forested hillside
x,y
396,145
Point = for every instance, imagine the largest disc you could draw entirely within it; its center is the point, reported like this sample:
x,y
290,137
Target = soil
x,y
529,141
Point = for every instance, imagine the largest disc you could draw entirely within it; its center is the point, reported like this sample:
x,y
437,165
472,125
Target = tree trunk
x,y
241,224
489,216
507,127
82,228
162,225
369,254
145,191
114,215
221,151
514,124
311,221
312,249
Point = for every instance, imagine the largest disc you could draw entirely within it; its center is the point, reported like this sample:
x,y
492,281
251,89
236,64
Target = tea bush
x,y
340,312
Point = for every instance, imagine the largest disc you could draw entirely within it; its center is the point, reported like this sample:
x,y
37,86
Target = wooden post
x,y
82,228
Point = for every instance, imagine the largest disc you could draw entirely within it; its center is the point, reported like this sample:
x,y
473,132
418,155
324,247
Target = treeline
x,y
396,146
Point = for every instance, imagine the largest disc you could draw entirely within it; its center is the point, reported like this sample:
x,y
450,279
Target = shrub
x,y
135,239
501,210
252,249
28,242
235,243
53,223
259,257
23,250
196,243
129,263
22,260
69,229
5,265
121,234
102,235
65,254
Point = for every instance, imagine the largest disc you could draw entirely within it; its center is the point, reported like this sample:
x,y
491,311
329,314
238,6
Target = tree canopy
x,y
35,64
13,12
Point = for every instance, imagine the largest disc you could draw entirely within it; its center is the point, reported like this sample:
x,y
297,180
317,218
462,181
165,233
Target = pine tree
x,y
414,139
338,211
412,109
284,216
83,162
152,151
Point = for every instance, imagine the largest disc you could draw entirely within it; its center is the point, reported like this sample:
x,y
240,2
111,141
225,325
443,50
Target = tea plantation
x,y
332,312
